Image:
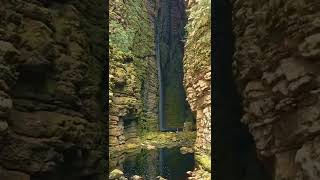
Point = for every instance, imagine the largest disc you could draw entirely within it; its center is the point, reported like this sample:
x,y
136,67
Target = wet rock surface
x,y
278,75
197,74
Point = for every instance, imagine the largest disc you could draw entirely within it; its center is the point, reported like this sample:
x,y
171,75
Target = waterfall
x,y
159,78
158,59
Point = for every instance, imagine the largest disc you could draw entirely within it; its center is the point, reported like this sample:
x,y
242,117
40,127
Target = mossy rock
x,y
204,161
132,146
197,56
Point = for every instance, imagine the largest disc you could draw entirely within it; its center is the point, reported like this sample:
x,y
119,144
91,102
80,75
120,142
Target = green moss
x,y
131,38
198,45
147,124
173,107
131,146
159,140
204,161
168,138
120,37
134,31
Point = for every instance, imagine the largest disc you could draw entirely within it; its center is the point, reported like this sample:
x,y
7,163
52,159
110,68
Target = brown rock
x,y
311,46
283,120
13,175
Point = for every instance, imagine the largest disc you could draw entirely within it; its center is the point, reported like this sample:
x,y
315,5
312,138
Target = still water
x,y
168,163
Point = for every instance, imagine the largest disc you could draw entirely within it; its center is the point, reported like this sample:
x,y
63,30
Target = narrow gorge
x,y
159,105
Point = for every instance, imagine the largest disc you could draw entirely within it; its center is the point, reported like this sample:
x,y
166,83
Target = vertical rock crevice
x,y
170,24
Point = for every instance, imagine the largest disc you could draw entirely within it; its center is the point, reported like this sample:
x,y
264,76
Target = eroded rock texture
x,y
51,64
278,45
197,77
133,87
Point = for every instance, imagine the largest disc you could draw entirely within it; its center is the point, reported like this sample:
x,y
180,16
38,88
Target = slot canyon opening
x,y
234,148
170,24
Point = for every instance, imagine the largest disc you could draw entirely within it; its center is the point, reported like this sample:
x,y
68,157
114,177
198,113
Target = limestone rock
x,y
283,117
136,177
310,47
13,175
115,174
149,147
50,114
3,126
161,178
197,77
186,150
5,104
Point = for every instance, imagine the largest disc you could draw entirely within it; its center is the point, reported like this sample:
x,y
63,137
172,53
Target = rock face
x,y
133,81
278,74
51,65
197,68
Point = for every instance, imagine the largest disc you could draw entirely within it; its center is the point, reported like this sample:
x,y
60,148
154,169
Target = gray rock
x,y
136,177
3,126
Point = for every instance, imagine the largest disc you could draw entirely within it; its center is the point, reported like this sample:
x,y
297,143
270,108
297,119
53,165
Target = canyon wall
x,y
277,48
51,107
133,81
197,75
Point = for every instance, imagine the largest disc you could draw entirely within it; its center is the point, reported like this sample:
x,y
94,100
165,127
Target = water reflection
x,y
168,163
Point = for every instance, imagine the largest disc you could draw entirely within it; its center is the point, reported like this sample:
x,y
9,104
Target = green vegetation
x,y
129,28
198,44
160,140
204,161
174,107
131,39
147,124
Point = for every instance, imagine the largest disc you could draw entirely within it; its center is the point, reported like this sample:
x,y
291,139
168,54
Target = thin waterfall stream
x,y
160,80
170,24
